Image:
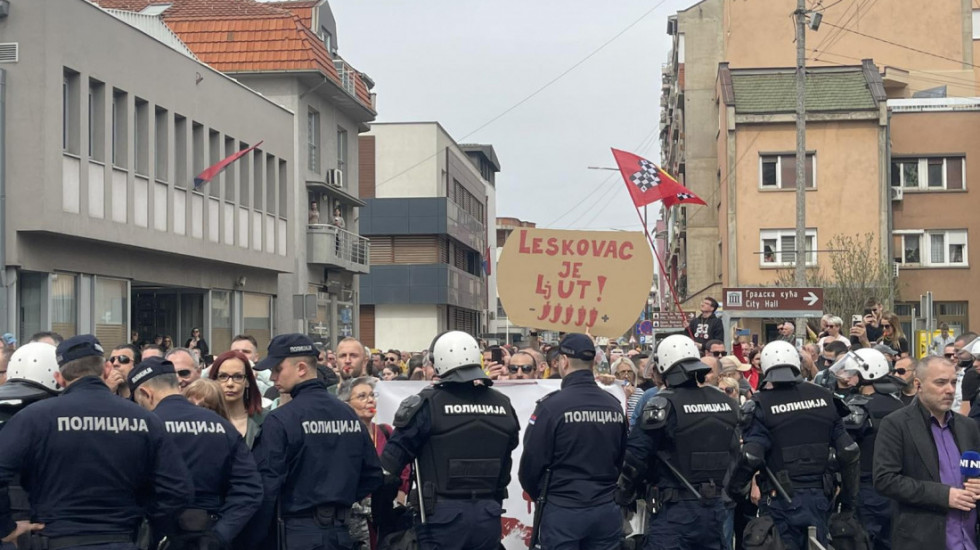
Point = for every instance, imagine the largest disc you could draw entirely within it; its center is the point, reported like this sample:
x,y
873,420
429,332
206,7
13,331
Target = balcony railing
x,y
333,246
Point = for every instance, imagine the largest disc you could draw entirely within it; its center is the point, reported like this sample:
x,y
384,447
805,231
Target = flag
x,y
647,183
209,173
486,262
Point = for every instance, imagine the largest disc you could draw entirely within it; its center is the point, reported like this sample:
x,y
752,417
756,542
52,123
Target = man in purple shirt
x,y
916,463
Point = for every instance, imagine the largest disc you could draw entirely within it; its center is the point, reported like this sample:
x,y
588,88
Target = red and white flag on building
x,y
647,183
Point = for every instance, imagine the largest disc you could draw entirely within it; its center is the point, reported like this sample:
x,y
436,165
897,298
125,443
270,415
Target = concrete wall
x,y
941,133
401,146
408,326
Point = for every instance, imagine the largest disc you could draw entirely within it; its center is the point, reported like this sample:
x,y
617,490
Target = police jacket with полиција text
x,y
314,452
226,481
579,432
92,462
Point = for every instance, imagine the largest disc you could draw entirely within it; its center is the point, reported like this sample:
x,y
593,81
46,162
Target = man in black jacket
x,y
706,326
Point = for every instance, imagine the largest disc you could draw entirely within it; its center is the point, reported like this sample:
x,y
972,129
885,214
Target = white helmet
x,y
452,350
870,364
973,348
675,349
780,355
34,362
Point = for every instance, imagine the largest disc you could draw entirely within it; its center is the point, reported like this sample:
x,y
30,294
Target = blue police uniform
x,y
91,463
226,482
578,434
316,457
462,435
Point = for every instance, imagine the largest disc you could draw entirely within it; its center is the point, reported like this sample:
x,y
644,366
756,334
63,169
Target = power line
x,y
910,48
938,77
534,93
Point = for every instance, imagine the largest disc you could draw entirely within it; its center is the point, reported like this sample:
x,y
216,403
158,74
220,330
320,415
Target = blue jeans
x,y
591,528
461,525
809,507
689,525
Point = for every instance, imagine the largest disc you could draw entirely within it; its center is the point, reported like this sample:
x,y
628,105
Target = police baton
x,y
778,486
538,510
677,474
418,482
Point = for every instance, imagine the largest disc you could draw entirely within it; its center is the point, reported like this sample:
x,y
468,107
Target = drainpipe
x,y
3,199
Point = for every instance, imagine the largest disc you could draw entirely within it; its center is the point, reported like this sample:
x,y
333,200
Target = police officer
x,y
462,433
681,446
89,460
577,480
314,455
878,399
789,429
30,378
227,486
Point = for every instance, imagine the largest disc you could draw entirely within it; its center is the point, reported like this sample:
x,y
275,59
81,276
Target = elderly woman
x,y
625,372
832,325
360,395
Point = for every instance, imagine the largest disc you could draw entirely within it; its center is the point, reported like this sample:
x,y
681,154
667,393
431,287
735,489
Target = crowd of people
x,y
727,448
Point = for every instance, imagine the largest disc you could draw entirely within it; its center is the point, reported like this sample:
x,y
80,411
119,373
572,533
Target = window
x,y
976,24
778,247
313,140
96,120
160,143
111,311
930,173
779,171
70,109
244,166
341,149
119,128
141,137
180,151
934,248
327,39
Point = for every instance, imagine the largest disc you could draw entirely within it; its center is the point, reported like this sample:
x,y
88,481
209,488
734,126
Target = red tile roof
x,y
240,36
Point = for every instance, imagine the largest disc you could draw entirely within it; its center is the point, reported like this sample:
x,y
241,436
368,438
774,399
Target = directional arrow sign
x,y
773,299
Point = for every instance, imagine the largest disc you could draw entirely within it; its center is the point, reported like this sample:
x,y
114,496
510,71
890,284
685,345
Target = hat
x,y
886,349
147,369
76,347
577,346
9,339
732,364
287,345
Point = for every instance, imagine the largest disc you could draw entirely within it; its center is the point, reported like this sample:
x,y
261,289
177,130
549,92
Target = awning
x,y
334,192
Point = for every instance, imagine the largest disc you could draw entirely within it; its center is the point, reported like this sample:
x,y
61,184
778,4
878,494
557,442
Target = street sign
x,y
644,327
773,299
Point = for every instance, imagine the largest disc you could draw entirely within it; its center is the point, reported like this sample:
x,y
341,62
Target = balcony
x,y
331,246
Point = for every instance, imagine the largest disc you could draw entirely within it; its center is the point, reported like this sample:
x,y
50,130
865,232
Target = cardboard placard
x,y
572,280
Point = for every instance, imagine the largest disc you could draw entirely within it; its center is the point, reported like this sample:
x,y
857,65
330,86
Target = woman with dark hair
x,y
243,400
197,341
754,374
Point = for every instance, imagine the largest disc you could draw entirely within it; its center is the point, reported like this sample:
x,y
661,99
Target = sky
x,y
465,62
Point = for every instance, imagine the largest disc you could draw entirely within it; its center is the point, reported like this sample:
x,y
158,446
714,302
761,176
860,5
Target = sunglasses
x,y
885,325
623,373
719,353
730,391
121,359
949,355
525,368
223,377
183,373
391,359
901,371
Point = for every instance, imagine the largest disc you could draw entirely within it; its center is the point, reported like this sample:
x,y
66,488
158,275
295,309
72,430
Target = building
x,y
910,57
428,204
108,120
934,143
289,52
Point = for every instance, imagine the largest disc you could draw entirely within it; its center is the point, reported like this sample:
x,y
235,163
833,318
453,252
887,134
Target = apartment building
x,y
289,52
428,202
108,120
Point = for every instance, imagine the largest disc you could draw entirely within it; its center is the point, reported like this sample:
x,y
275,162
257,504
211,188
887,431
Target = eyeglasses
x,y
364,396
525,368
121,359
623,374
730,391
949,355
885,325
719,353
183,373
391,359
224,377
901,371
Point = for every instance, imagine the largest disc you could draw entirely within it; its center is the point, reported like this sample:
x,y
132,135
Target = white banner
x,y
523,394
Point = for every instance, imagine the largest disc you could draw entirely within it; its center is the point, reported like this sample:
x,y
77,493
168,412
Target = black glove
x,y
391,481
625,494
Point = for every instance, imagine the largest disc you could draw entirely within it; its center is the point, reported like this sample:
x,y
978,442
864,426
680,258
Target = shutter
x,y
954,173
366,168
366,325
381,251
787,167
415,249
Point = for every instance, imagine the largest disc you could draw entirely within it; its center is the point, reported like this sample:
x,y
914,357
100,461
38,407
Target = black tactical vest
x,y
880,406
800,420
703,442
468,441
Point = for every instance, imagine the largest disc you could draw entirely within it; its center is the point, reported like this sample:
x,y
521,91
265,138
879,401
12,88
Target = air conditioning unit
x,y
897,193
335,177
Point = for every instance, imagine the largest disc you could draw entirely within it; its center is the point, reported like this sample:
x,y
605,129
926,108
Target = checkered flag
x,y
685,196
647,177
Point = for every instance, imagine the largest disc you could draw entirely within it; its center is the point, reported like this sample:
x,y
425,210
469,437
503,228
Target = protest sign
x,y
572,280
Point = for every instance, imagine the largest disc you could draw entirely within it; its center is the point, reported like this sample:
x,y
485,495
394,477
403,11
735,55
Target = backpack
x,y
761,534
846,533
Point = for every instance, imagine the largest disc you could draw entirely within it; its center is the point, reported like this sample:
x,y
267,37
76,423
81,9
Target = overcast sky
x,y
464,62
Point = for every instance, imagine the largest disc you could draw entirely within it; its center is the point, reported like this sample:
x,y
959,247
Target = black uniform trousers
x,y
809,507
461,525
689,525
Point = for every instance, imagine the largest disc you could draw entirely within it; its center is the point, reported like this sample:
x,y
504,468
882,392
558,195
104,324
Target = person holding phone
x,y
496,360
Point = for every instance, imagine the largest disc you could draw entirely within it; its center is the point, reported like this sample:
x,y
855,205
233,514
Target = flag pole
x,y
663,271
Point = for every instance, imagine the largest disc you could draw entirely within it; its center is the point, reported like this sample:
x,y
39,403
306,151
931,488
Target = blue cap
x,y
76,347
577,346
287,345
148,368
8,338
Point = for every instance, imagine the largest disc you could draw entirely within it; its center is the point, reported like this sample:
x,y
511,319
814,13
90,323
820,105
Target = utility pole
x,y
801,252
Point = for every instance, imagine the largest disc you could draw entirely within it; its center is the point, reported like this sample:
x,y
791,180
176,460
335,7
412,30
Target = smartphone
x,y
755,340
743,332
857,319
603,368
497,355
867,311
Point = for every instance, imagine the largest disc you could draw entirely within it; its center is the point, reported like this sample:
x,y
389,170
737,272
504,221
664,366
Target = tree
x,y
857,273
